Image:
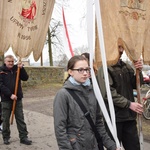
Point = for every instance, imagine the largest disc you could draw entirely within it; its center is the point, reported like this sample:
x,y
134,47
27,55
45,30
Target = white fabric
x,y
110,124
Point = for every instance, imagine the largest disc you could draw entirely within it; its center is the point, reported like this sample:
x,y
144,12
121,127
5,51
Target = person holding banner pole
x,y
73,129
8,73
122,82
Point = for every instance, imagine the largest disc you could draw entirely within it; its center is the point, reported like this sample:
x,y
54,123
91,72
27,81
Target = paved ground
x,y
38,111
41,131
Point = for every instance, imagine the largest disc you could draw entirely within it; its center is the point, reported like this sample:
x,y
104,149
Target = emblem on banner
x,y
28,9
28,12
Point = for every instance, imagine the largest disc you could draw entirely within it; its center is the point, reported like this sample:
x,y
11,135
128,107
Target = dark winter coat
x,y
8,81
122,82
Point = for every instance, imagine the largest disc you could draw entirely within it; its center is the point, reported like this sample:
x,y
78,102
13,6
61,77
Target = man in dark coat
x,y
122,81
8,73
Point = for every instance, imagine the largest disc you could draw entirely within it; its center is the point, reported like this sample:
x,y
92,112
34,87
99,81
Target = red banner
x,y
67,36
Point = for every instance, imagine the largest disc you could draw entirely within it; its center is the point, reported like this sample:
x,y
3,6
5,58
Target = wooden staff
x,y
140,102
15,93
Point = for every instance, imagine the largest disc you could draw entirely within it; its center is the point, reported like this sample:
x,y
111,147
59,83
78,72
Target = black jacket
x,y
122,82
8,81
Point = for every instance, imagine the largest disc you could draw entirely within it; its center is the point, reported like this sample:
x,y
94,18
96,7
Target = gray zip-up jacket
x,y
72,130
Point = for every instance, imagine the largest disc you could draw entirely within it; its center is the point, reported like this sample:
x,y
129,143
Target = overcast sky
x,y
75,11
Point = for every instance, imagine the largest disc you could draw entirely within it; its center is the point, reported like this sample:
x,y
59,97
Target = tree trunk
x,y
1,60
50,48
41,58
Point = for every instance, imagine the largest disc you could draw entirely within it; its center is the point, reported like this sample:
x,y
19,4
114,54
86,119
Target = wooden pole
x,y
42,59
140,102
15,93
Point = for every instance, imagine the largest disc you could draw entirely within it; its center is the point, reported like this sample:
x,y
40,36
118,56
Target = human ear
x,y
70,72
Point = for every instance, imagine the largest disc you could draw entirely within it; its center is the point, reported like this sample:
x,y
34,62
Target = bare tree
x,y
55,35
53,39
80,50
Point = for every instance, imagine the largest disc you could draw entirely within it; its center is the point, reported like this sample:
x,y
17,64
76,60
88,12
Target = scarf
x,y
74,82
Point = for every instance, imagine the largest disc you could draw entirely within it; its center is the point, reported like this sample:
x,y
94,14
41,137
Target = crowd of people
x,y
78,120
122,80
72,127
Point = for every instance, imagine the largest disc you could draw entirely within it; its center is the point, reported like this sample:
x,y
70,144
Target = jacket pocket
x,y
75,145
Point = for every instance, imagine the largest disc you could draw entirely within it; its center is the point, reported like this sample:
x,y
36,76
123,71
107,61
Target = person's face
x,y
82,72
120,48
9,62
140,1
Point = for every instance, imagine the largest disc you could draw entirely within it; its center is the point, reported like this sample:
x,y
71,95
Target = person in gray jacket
x,y
72,130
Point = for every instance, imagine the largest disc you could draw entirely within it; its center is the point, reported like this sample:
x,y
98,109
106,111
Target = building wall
x,y
42,75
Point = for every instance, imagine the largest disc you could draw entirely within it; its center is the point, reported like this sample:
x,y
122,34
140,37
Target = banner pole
x,y
139,101
15,93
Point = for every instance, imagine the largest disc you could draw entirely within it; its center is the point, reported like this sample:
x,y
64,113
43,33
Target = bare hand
x,y
136,107
13,97
138,64
20,65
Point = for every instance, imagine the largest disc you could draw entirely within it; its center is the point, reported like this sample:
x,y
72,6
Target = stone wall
x,y
42,75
